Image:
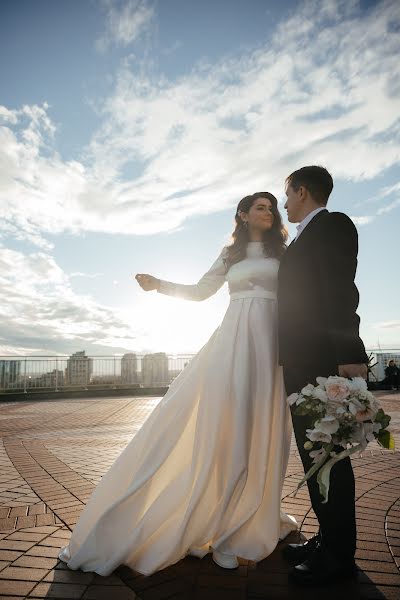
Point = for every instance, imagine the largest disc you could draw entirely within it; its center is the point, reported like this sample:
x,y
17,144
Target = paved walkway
x,y
52,455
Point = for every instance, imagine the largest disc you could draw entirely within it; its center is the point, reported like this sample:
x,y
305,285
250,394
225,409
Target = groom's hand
x,y
349,371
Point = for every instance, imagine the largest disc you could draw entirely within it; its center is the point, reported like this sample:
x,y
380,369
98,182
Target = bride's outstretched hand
x,y
147,282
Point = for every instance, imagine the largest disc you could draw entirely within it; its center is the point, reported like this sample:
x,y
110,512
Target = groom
x,y
318,336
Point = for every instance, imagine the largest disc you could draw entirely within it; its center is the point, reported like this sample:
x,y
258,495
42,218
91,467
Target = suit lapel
x,y
308,231
297,246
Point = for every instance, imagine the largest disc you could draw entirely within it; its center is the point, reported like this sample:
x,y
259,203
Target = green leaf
x,y
382,418
323,477
302,410
386,439
315,467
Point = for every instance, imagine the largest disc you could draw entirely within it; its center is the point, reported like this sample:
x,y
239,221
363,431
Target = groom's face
x,y
294,204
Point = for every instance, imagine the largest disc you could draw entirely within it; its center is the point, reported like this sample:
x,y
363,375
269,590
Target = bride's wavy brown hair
x,y
274,239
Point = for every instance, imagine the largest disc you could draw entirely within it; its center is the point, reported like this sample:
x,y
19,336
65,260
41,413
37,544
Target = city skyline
x,y
129,131
80,371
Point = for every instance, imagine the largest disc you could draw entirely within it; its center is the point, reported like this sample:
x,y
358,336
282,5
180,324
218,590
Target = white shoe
x,y
226,561
200,551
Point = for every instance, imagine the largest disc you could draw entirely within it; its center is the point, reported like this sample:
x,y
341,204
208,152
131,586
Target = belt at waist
x,y
253,294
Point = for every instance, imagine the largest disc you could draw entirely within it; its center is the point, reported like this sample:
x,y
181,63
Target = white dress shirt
x,y
301,226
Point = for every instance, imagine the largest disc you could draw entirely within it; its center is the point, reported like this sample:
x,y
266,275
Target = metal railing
x,y
132,370
79,371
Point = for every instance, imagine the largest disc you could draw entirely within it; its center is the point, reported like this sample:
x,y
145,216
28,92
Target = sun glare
x,y
173,325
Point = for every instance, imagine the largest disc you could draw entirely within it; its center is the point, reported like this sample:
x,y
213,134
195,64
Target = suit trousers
x,y
337,517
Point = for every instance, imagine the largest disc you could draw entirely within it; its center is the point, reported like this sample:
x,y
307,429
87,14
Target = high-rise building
x,y
155,369
79,369
52,379
10,371
129,373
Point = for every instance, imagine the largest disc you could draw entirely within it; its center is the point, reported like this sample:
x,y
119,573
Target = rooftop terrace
x,y
54,452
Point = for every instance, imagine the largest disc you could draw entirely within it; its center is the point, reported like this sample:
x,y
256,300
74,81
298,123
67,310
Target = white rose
x,y
321,381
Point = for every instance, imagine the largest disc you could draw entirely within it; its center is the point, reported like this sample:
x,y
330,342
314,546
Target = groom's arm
x,y
338,264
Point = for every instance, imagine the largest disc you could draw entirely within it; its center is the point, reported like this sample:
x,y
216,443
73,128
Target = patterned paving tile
x,y
13,489
49,467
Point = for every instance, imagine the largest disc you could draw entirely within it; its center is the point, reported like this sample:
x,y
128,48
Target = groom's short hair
x,y
317,180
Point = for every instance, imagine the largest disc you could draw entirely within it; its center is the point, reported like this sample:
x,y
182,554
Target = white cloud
x,y
363,220
87,275
387,192
384,195
322,90
125,22
41,312
387,325
389,207
7,115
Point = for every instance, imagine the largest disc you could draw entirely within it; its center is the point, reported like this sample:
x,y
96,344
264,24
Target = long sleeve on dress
x,y
208,285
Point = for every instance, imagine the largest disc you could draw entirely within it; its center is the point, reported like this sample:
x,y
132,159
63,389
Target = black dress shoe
x,y
298,553
321,567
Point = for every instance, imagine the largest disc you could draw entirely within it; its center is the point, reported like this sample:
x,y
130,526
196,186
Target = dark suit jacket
x,y
317,297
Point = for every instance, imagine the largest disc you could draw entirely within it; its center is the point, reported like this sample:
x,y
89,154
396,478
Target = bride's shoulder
x,y
224,256
225,251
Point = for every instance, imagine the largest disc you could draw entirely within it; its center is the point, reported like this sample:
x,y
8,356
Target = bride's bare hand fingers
x,y
140,278
146,282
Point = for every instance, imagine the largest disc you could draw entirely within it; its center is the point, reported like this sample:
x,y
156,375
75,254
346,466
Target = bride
x,y
205,471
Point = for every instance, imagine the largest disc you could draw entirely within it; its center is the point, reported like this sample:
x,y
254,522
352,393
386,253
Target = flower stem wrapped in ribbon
x,y
346,415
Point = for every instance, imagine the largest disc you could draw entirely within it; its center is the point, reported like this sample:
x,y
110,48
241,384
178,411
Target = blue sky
x,y
129,130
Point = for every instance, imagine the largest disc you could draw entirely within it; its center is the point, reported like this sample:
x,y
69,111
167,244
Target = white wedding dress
x,y
207,467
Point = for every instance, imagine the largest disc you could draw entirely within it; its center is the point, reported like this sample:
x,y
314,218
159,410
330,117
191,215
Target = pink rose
x,y
337,391
366,414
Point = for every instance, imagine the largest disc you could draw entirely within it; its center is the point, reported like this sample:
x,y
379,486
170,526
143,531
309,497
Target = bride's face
x,y
260,215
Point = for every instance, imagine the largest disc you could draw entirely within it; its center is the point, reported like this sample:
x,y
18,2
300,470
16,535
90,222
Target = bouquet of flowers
x,y
346,415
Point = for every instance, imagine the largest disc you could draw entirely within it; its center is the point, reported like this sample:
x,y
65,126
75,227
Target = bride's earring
x,y
245,224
